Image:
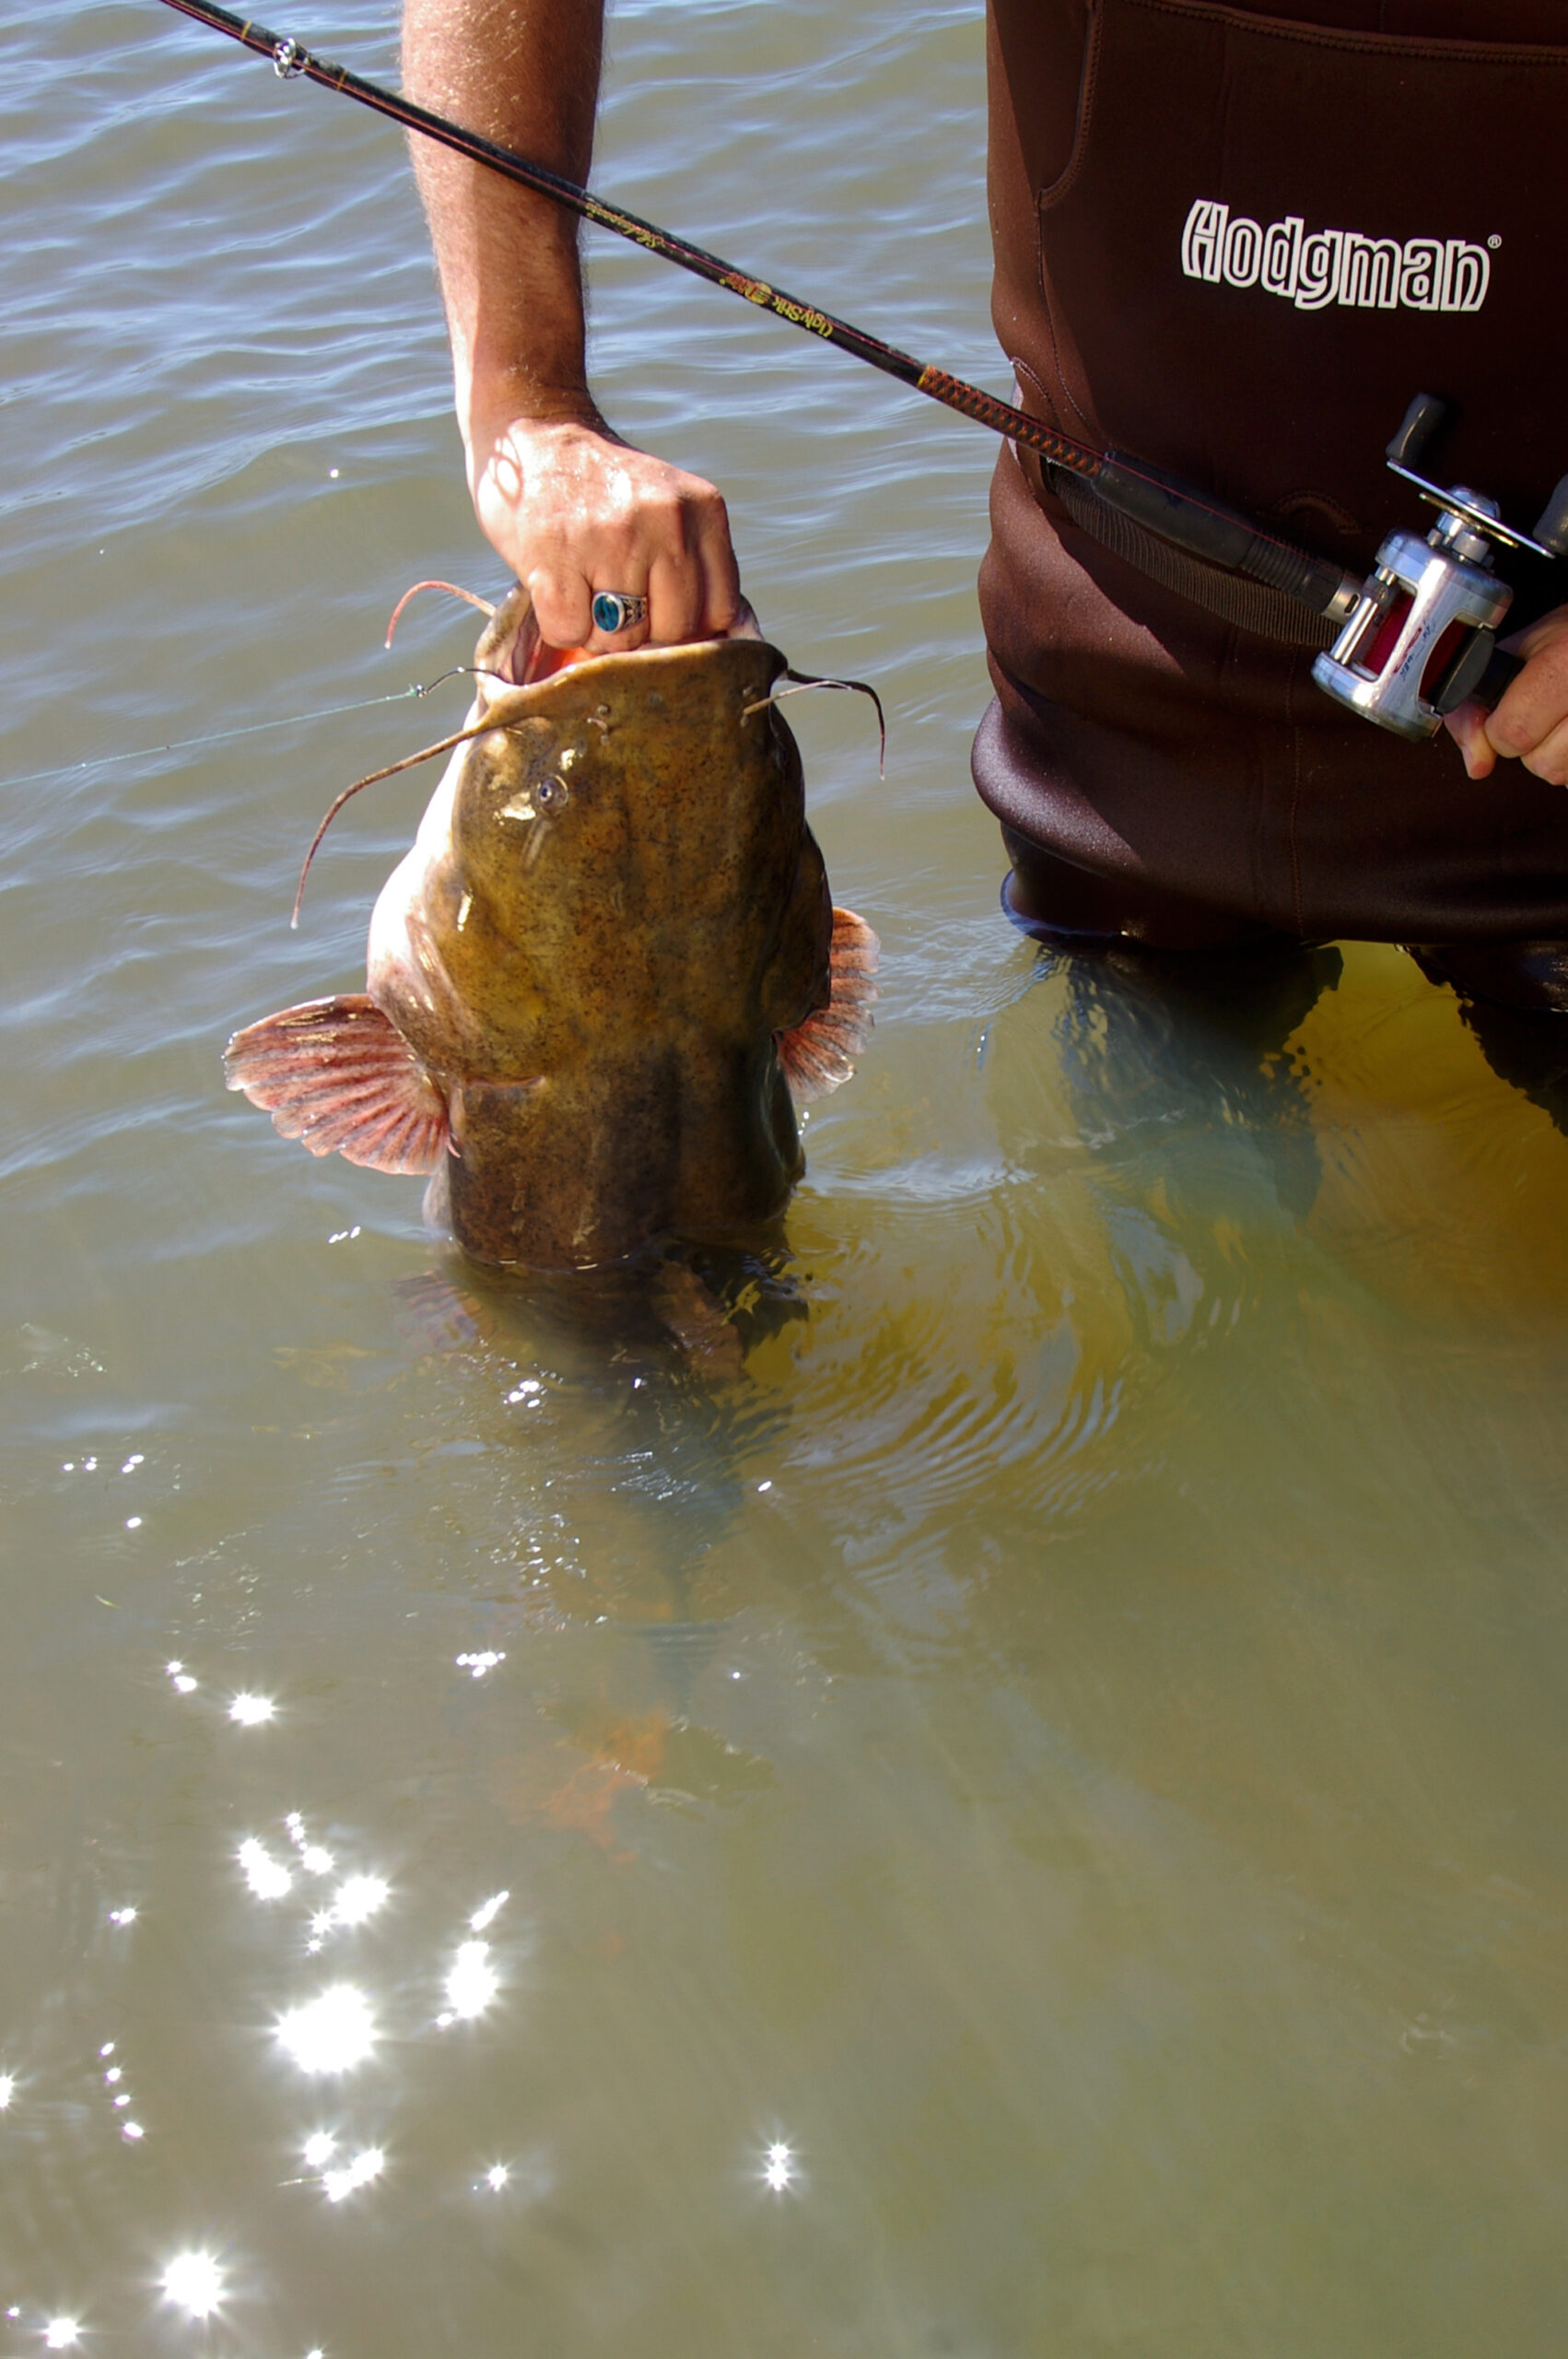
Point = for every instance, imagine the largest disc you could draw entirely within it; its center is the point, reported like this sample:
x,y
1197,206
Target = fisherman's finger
x,y
721,572
693,583
670,522
1547,630
710,579
1548,761
1467,725
676,595
1537,703
563,601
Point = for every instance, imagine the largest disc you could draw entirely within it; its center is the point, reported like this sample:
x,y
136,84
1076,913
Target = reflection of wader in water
x,y
1236,244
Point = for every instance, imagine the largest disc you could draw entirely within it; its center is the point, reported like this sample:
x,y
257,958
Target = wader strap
x,y
1250,604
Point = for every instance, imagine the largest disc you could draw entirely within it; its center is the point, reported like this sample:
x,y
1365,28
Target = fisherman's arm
x,y
570,506
1530,723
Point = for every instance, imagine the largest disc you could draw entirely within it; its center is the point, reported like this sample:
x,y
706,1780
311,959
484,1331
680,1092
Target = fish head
x,y
619,858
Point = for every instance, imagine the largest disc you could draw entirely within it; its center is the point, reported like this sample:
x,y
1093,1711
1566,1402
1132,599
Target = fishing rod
x,y
1204,528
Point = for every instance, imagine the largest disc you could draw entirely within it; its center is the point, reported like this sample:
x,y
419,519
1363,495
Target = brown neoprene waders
x,y
1235,245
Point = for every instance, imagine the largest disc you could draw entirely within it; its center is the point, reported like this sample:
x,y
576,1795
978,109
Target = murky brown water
x,y
1069,1744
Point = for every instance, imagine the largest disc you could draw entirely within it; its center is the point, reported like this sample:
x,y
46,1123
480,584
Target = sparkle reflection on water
x,y
332,2032
193,2282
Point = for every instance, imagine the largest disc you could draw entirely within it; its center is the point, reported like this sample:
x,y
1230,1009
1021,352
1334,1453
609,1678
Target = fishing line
x,y
253,728
1206,529
222,736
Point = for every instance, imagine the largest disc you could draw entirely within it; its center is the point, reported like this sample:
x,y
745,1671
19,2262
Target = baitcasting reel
x,y
1423,635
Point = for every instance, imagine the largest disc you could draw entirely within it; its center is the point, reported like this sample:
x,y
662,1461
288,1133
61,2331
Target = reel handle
x,y
1552,526
1419,423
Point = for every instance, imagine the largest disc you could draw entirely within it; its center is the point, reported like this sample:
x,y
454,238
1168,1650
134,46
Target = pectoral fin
x,y
819,1053
338,1075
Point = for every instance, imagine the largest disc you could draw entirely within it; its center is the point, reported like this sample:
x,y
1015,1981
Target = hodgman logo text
x,y
1333,266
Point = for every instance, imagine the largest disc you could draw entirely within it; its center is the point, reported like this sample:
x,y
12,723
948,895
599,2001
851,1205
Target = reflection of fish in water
x,y
575,1783
702,1307
604,968
575,1786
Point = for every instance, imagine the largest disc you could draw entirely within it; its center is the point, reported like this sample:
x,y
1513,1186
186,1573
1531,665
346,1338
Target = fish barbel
x,y
603,975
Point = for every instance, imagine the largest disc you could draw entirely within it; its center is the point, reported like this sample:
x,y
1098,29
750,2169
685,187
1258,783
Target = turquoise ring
x,y
616,610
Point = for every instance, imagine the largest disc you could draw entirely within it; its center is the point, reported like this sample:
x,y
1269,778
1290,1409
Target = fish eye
x,y
551,794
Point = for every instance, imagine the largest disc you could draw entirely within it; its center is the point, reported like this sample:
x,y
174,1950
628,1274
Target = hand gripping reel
x,y
1423,635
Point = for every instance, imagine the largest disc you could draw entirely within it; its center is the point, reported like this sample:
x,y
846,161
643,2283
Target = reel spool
x,y
1423,635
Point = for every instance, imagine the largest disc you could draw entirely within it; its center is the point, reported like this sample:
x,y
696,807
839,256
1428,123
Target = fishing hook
x,y
466,672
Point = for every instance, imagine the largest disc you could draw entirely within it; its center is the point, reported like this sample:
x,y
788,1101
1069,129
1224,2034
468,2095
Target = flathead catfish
x,y
603,974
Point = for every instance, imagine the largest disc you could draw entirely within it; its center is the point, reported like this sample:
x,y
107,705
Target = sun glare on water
x,y
194,2282
333,2033
360,1898
357,2173
471,1984
267,1877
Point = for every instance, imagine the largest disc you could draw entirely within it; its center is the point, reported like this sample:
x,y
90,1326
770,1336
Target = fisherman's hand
x,y
1530,723
573,510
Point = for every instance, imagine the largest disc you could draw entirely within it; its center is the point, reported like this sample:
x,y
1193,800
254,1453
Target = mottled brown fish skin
x,y
604,973
629,905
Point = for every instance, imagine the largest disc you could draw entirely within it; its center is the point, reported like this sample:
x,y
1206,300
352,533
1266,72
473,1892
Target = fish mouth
x,y
515,649
513,655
